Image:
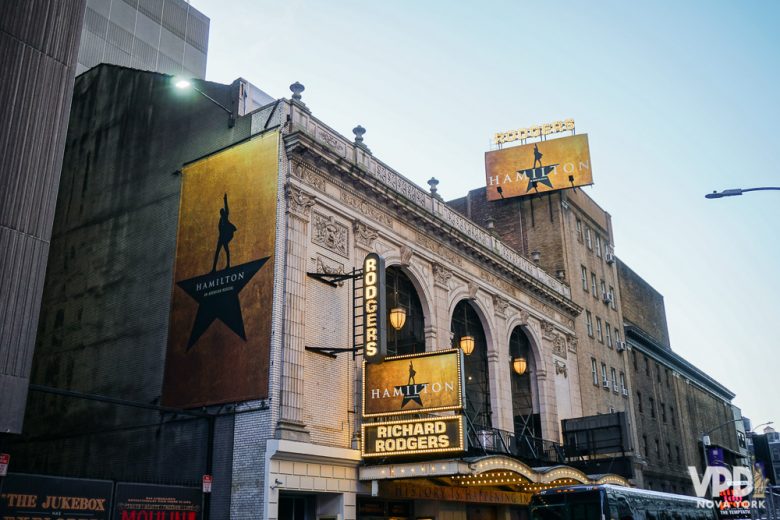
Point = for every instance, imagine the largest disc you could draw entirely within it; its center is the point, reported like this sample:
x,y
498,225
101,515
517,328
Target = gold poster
x,y
414,383
549,165
220,321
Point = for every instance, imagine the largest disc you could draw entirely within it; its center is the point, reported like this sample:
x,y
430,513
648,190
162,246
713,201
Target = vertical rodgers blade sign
x,y
549,165
375,315
220,321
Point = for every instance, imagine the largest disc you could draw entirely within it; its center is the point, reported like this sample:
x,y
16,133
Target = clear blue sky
x,y
678,99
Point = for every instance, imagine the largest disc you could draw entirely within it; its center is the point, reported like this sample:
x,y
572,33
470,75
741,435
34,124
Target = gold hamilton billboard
x,y
549,165
415,383
220,319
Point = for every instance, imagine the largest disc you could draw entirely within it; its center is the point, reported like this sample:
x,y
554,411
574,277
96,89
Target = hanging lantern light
x,y
519,365
467,344
397,317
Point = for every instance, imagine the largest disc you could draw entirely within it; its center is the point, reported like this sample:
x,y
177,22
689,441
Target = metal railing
x,y
531,450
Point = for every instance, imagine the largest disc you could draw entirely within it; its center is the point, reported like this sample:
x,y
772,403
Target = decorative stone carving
x,y
523,316
559,346
441,276
300,202
500,304
406,255
364,235
366,208
472,289
328,233
431,245
560,368
572,340
326,266
305,174
548,329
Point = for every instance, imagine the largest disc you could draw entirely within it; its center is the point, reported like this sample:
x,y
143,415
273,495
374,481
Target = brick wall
x,y
642,304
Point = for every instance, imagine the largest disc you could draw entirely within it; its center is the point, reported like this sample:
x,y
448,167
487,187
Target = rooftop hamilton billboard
x,y
220,319
538,167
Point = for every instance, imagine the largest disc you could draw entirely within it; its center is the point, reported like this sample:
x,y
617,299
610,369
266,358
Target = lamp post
x,y
185,84
737,191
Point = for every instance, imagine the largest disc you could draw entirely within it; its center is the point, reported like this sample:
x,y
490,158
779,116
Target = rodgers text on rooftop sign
x,y
538,167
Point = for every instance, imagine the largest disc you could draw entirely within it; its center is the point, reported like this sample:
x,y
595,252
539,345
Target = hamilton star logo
x,y
411,390
217,292
538,175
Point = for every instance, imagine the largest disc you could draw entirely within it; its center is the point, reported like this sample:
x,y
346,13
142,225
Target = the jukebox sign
x,y
413,437
415,383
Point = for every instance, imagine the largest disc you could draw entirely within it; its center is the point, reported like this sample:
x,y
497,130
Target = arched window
x,y
465,324
400,293
526,422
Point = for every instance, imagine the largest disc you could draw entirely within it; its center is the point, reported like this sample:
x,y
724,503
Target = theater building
x,y
210,308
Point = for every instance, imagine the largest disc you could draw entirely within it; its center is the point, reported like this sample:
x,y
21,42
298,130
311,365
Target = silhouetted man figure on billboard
x,y
537,156
226,230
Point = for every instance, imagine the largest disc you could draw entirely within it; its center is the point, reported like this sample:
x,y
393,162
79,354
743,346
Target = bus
x,y
608,502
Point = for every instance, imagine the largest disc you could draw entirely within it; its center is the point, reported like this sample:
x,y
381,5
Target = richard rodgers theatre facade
x,y
292,245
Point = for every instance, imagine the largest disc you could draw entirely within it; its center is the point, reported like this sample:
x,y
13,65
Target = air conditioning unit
x,y
605,383
615,387
609,257
607,298
620,346
625,392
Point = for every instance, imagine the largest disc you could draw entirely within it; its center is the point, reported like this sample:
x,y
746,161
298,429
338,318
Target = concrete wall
x,y
38,46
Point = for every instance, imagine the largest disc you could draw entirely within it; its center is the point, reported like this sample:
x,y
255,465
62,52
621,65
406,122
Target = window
x,y
603,289
623,384
667,378
614,379
677,449
609,334
671,414
652,408
647,366
579,230
598,246
588,241
658,372
594,369
639,400
644,444
589,323
599,333
663,412
612,298
617,340
633,353
584,278
669,451
658,449
604,374
593,285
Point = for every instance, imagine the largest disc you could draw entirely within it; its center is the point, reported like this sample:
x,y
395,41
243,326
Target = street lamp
x,y
185,84
737,191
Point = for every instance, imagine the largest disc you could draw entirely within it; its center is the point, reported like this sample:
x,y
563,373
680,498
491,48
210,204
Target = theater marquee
x,y
549,165
415,383
413,437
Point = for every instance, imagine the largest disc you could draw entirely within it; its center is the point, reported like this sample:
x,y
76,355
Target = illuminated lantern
x,y
467,344
397,317
519,365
